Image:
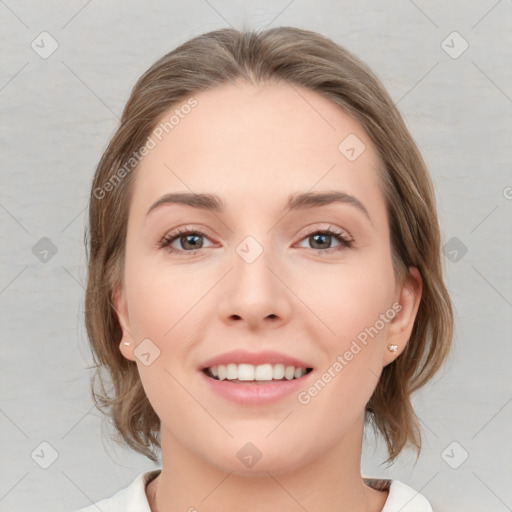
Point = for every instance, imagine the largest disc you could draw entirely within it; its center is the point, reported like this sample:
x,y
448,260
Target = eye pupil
x,y
324,236
193,245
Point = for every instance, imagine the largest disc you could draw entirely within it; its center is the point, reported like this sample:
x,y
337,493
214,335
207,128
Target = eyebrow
x,y
298,201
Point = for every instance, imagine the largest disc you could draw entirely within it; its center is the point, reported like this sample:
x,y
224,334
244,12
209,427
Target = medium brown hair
x,y
306,59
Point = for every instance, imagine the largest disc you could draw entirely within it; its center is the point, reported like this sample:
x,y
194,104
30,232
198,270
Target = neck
x,y
331,481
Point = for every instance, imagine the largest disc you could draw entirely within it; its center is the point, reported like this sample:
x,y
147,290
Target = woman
x,y
264,278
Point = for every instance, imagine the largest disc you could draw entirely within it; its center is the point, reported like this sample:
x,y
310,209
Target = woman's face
x,y
256,275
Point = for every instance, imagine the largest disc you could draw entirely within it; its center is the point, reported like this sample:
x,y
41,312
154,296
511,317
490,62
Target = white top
x,y
401,498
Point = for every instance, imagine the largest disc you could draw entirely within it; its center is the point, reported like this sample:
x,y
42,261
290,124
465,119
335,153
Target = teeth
x,y
264,372
278,371
249,372
231,371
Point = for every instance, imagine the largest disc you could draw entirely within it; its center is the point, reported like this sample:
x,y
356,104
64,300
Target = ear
x,y
127,343
400,327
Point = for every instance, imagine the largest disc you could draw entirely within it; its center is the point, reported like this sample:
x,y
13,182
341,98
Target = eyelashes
x,y
187,236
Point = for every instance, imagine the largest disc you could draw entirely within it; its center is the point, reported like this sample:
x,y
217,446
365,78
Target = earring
x,y
126,343
392,348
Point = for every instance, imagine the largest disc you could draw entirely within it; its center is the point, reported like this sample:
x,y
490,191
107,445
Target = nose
x,y
255,295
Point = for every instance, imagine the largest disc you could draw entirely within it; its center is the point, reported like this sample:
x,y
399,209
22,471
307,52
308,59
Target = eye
x,y
324,238
190,240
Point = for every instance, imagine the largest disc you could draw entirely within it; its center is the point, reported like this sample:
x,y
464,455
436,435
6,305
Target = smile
x,y
252,373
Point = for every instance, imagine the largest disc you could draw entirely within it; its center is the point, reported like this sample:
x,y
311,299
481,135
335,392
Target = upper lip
x,y
255,358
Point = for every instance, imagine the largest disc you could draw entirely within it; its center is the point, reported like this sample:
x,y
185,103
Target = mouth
x,y
252,374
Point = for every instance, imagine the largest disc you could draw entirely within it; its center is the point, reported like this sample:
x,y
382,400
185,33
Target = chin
x,y
257,460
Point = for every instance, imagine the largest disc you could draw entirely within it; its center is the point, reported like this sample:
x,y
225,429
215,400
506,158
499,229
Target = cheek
x,y
164,308
353,350
349,298
161,297
351,302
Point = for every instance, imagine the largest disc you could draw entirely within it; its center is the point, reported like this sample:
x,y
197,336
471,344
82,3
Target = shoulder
x,y
403,498
130,499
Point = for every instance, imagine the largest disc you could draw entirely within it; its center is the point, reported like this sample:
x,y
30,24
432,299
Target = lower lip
x,y
251,393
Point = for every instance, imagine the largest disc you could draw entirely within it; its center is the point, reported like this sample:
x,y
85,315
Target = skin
x,y
254,146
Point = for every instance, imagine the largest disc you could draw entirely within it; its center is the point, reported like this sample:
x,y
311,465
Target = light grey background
x,y
58,114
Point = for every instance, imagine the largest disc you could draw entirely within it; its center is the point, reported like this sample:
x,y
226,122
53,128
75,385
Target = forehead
x,y
255,145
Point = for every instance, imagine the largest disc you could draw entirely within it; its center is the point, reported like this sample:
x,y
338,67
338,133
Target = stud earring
x,y
126,343
392,348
